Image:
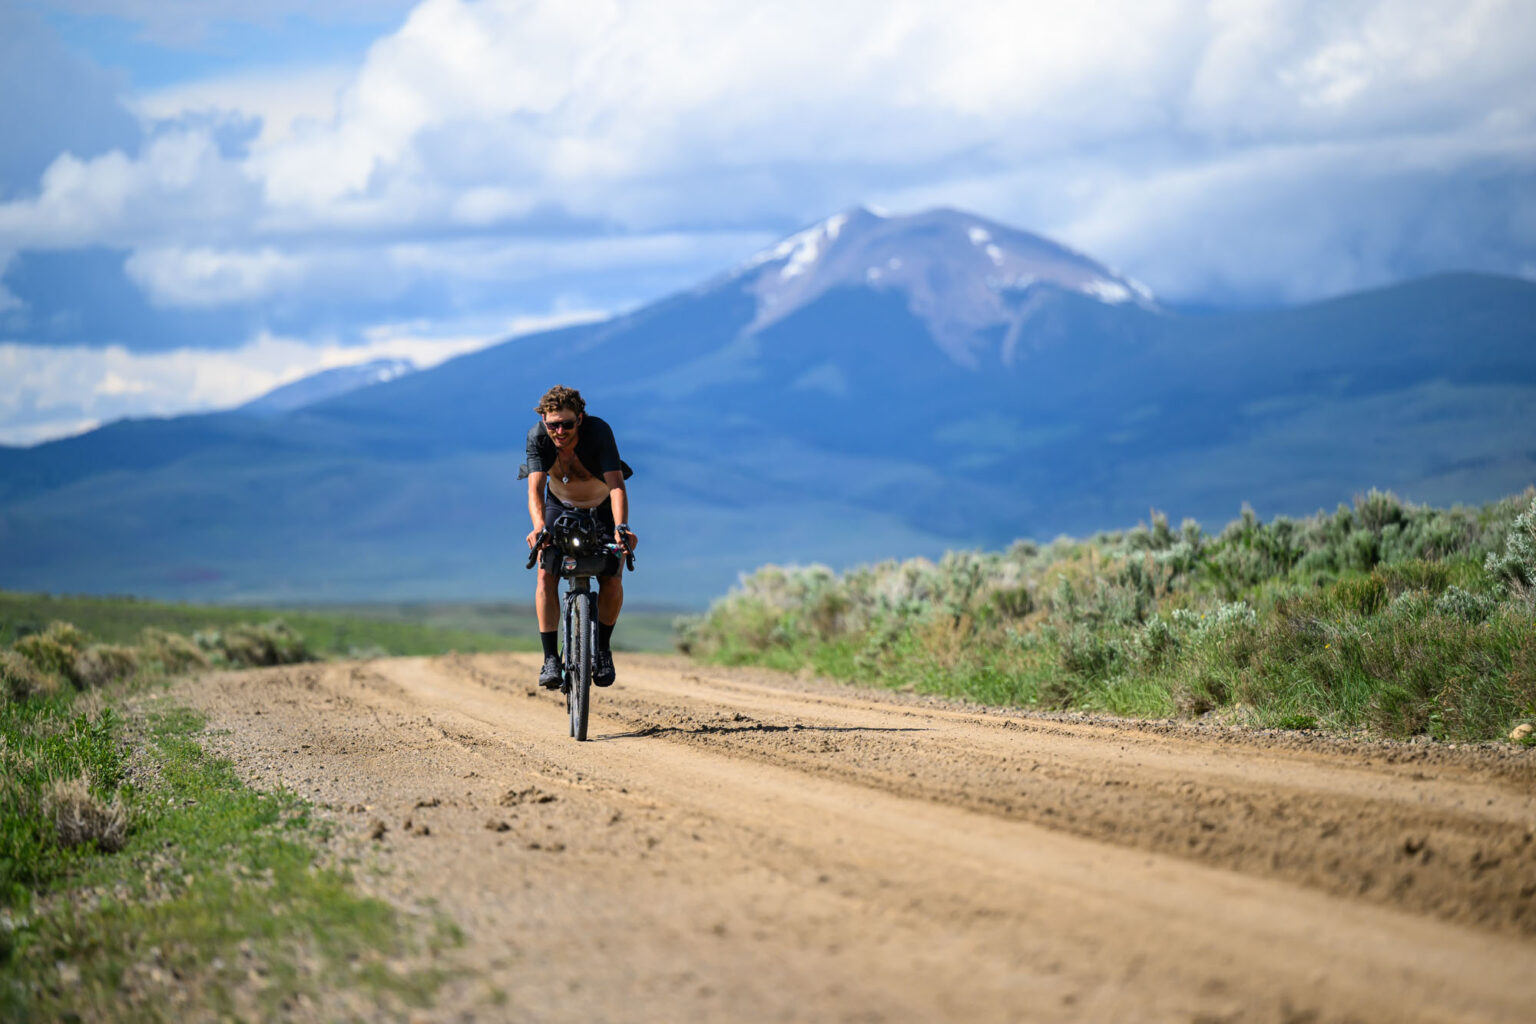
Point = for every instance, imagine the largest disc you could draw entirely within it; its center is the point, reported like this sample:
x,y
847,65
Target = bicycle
x,y
580,552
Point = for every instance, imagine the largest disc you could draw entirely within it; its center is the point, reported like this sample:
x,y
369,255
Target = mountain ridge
x,y
842,428
317,387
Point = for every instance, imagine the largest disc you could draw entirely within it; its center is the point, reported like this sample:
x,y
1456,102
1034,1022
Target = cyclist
x,y
573,462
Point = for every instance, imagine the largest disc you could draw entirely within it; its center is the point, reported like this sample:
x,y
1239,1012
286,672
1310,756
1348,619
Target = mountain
x,y
871,387
326,384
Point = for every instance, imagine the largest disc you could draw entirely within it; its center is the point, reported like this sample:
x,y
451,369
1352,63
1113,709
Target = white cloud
x,y
54,391
201,277
178,186
1317,220
204,277
281,100
665,118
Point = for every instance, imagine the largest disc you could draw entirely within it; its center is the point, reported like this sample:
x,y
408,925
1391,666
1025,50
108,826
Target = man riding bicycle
x,y
573,462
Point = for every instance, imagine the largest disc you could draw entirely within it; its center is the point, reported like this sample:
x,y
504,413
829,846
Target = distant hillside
x,y
871,387
327,384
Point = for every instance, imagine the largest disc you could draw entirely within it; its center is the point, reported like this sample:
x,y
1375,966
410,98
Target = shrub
x,y
1157,641
67,634
1087,653
1410,604
247,646
1378,510
1345,618
1462,604
54,650
173,652
1514,572
20,678
79,816
1012,602
101,664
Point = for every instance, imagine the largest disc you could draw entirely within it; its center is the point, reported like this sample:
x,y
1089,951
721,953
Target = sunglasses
x,y
559,426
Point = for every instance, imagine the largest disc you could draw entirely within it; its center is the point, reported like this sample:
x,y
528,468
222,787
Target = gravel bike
x,y
575,549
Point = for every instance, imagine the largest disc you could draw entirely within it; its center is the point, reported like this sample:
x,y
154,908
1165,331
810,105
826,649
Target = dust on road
x,y
737,845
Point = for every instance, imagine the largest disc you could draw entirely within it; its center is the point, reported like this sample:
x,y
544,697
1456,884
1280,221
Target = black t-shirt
x,y
595,447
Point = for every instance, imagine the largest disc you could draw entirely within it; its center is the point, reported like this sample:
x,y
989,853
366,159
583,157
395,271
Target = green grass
x,y
332,630
215,883
137,872
1392,618
122,619
640,628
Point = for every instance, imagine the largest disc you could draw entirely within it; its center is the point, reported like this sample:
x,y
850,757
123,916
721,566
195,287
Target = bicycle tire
x,y
564,625
584,651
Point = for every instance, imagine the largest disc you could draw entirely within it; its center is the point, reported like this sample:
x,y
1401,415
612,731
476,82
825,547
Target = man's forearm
x,y
620,498
536,500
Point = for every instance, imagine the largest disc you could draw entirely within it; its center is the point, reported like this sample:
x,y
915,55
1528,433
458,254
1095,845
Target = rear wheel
x,y
579,663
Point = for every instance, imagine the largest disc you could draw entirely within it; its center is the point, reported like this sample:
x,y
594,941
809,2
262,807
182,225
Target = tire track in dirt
x,y
1445,841
732,849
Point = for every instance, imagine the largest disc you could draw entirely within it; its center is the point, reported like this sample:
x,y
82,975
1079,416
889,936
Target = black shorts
x,y
553,506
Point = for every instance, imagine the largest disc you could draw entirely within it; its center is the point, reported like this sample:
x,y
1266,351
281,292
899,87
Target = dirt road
x,y
738,846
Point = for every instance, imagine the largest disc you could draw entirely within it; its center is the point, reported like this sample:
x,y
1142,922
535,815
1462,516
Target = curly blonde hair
x,y
559,397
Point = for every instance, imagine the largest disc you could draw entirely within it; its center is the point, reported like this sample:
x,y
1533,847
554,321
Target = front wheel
x,y
578,662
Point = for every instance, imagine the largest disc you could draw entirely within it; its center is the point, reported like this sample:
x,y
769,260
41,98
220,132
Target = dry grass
x,y
80,817
174,652
101,664
54,650
91,704
20,678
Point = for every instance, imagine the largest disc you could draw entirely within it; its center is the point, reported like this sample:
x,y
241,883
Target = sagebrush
x,y
1400,618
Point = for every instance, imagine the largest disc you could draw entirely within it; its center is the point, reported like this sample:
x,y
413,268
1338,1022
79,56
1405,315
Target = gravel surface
x,y
744,845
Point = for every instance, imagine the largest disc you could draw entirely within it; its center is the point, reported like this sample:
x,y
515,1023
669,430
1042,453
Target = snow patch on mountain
x,y
799,250
330,383
965,278
1111,292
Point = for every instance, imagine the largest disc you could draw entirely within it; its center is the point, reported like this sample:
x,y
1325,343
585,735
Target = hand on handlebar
x,y
627,543
536,541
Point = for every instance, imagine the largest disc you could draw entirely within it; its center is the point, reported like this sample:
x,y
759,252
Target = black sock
x,y
604,635
548,640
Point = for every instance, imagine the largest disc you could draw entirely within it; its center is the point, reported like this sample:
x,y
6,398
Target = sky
x,y
199,201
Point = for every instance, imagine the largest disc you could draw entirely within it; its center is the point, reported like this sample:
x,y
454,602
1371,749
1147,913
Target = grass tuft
x,y
21,679
172,652
80,816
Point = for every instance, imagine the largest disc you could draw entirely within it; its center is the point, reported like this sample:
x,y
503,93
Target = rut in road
x,y
1447,839
733,839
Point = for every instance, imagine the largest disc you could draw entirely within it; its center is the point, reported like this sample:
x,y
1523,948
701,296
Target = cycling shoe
x,y
604,674
549,675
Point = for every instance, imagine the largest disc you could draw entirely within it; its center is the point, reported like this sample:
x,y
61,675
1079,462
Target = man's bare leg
x,y
546,600
610,598
546,604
